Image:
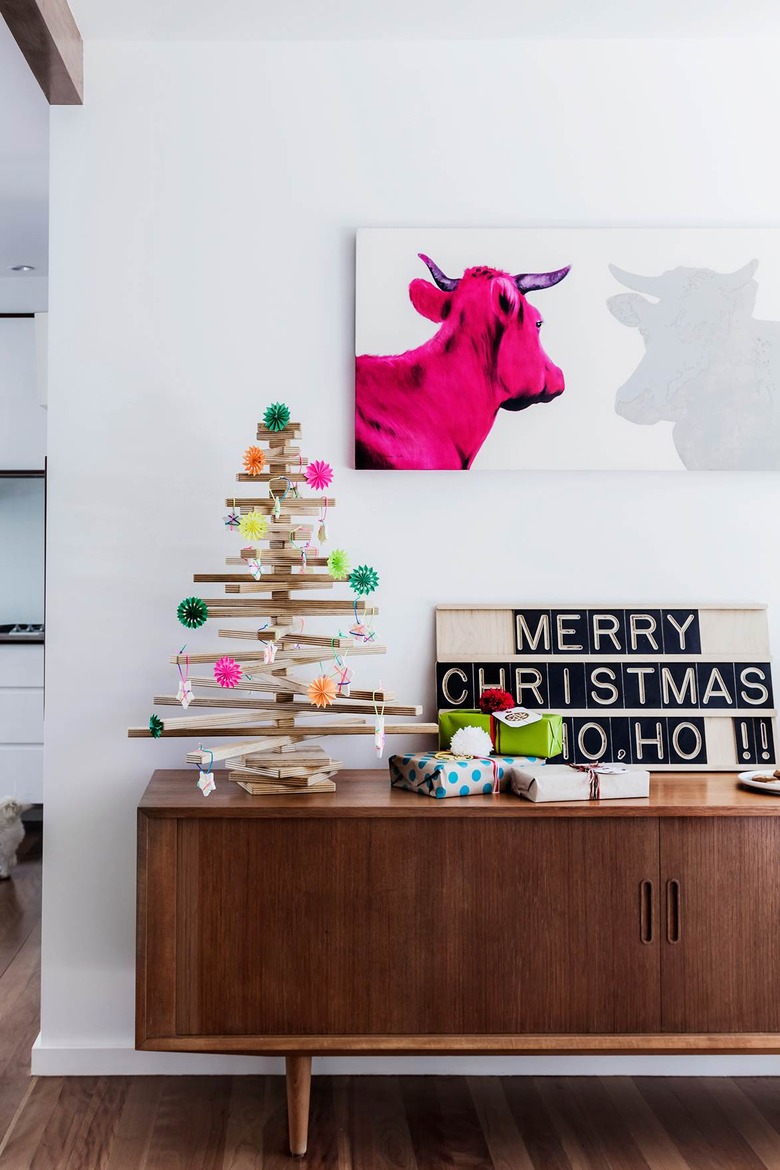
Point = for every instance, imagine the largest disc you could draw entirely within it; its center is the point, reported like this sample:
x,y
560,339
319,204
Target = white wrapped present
x,y
578,782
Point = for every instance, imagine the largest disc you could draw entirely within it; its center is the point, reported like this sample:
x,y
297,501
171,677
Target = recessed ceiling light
x,y
22,268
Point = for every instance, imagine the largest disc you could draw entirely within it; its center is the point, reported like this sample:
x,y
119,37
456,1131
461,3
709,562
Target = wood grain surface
x,y
357,1123
367,793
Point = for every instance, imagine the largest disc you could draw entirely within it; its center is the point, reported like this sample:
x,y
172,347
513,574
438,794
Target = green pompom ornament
x,y
155,726
364,579
338,565
192,612
276,416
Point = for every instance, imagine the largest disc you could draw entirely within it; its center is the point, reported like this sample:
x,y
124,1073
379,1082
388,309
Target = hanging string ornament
x,y
303,549
319,475
276,416
256,569
155,726
192,612
254,460
338,565
322,532
322,691
380,736
227,672
276,511
366,633
206,782
233,518
343,673
253,526
363,580
184,694
269,652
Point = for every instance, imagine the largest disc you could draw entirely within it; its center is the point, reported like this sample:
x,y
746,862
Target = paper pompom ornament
x,y
319,475
276,416
495,699
192,612
155,726
338,565
254,460
471,741
253,526
364,579
322,691
227,672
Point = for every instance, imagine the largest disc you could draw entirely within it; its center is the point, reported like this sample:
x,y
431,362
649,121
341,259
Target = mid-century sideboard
x,y
373,920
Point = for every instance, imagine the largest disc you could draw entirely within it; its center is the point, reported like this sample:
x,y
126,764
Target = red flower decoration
x,y
494,699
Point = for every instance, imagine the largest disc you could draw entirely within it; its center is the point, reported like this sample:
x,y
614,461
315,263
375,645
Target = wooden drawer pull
x,y
673,911
646,912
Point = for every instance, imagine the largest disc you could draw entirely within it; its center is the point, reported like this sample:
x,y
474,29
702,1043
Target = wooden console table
x,y
374,920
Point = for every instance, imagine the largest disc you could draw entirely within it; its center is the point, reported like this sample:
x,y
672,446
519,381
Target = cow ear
x,y
430,301
629,309
506,298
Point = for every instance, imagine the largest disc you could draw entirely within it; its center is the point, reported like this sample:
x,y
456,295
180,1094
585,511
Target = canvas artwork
x,y
575,349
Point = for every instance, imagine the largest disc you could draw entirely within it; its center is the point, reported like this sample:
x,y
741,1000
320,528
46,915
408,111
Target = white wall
x,y
203,210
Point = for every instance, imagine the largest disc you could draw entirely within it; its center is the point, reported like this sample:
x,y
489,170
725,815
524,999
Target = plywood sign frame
x,y
662,686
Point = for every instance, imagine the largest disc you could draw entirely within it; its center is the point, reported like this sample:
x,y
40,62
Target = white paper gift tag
x,y
206,783
184,694
517,717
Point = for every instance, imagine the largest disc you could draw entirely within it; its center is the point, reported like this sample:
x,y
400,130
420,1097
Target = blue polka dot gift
x,y
442,774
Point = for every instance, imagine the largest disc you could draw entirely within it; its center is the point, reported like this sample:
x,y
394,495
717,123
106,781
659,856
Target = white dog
x,y
11,834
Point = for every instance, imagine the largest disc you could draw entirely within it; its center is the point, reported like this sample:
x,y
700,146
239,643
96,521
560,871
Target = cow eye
x,y
538,324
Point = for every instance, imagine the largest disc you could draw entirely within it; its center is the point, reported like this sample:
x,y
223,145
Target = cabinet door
x,y
721,924
415,926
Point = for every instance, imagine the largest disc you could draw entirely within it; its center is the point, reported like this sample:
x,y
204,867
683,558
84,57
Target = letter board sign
x,y
667,687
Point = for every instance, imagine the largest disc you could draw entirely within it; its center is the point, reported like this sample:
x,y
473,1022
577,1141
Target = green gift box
x,y
452,721
543,738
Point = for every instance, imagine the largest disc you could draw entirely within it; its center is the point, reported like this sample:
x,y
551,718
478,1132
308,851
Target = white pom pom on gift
x,y
471,741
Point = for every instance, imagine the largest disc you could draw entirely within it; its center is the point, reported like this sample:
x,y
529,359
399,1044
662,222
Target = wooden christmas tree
x,y
255,693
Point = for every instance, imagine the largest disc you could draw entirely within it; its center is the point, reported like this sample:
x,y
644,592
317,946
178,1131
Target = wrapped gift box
x,y
439,775
564,782
543,739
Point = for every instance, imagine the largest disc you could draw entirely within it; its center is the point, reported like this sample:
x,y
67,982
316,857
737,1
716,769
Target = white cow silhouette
x,y
709,366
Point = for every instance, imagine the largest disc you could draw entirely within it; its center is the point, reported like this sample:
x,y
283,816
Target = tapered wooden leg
x,y
298,1069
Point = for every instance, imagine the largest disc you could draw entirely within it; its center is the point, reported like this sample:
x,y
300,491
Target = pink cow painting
x,y
432,408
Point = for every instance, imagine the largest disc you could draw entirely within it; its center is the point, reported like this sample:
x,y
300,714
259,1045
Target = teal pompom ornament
x,y
276,416
155,726
192,612
363,579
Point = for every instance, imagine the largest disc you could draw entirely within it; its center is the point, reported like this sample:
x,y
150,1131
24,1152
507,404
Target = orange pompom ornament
x,y
254,460
322,691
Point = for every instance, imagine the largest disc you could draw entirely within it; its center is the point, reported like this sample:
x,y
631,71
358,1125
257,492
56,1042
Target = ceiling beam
x,y
51,44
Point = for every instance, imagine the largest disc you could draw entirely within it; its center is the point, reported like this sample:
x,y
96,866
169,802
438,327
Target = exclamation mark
x,y
745,742
764,741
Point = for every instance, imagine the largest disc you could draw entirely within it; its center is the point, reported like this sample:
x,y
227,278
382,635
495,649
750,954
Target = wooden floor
x,y
357,1123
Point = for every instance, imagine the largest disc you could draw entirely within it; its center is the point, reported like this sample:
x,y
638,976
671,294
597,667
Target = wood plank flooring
x,y
357,1123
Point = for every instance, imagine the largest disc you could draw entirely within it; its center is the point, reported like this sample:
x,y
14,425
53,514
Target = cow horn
x,y
741,276
532,281
445,283
644,284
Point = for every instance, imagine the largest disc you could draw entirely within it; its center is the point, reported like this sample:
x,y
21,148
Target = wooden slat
x,y
311,504
235,607
300,731
51,44
235,749
275,580
353,706
292,430
269,477
290,584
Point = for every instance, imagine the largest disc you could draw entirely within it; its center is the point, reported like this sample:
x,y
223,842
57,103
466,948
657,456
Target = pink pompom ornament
x,y
227,672
319,475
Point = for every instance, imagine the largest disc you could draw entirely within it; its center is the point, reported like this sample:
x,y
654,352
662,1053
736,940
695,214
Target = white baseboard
x,y
59,1061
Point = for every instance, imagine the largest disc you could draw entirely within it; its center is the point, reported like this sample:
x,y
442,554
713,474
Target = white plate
x,y
747,778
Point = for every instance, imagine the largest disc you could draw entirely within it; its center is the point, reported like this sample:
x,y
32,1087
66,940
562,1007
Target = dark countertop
x,y
22,639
